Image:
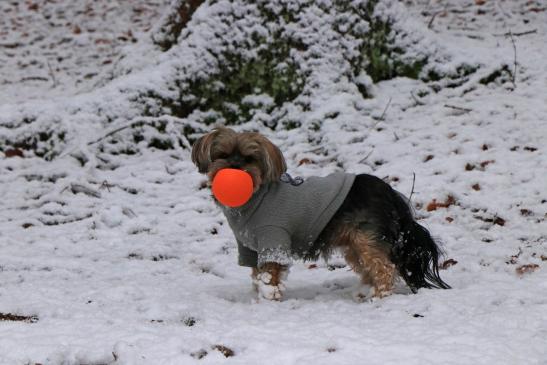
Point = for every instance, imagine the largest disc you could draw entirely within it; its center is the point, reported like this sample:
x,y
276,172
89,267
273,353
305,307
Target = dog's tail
x,y
416,254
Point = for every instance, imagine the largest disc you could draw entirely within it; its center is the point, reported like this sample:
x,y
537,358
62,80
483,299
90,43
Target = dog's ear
x,y
201,151
274,161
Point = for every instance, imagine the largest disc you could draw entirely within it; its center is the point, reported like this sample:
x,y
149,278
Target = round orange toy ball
x,y
232,187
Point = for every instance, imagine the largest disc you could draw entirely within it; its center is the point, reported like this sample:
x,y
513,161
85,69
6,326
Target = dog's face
x,y
252,152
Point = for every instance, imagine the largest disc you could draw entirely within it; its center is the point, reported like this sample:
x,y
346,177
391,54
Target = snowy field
x,y
136,265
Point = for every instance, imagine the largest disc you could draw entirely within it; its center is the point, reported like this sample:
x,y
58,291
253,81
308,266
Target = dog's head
x,y
248,151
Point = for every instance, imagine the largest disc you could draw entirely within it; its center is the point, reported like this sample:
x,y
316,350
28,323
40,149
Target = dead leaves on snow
x,y
14,152
481,166
434,205
524,269
494,220
224,350
447,263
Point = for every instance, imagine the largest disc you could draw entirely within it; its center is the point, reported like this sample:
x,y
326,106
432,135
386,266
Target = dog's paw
x,y
264,288
369,294
361,294
271,292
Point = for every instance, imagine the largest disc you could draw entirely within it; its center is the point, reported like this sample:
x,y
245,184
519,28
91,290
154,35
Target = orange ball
x,y
232,187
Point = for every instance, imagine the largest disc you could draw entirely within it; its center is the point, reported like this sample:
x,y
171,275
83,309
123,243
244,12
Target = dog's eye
x,y
249,159
222,156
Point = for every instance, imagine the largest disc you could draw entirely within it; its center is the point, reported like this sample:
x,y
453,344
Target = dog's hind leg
x,y
370,259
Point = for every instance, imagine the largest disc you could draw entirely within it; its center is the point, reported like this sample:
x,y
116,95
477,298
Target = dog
x,y
286,218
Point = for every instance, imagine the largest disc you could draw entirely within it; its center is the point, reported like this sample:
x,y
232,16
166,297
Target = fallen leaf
x,y
447,263
434,205
486,163
524,269
226,351
14,152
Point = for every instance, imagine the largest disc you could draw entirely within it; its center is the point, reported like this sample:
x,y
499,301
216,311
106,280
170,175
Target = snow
x,y
136,264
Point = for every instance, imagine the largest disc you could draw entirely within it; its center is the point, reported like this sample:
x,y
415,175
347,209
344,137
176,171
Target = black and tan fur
x,y
374,227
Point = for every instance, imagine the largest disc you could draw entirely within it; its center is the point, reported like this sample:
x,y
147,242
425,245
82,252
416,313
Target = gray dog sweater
x,y
283,220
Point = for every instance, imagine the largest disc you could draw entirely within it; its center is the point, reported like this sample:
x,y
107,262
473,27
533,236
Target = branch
x,y
52,74
130,125
513,77
465,110
79,188
508,34
174,22
412,190
430,24
385,110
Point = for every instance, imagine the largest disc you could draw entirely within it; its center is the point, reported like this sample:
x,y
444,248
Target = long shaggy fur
x,y
248,151
375,209
374,227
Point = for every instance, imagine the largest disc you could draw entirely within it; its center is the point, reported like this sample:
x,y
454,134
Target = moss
x,y
433,75
452,79
161,144
379,56
385,60
291,124
315,126
45,144
503,73
137,137
272,72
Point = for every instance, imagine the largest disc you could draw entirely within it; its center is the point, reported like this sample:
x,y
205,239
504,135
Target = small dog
x,y
360,215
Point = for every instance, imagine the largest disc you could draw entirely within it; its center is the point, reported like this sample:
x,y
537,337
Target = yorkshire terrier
x,y
359,215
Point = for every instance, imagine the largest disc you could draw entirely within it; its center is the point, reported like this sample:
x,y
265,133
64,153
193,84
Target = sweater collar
x,y
243,213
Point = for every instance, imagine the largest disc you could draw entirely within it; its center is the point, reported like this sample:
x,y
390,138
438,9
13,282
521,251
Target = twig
x,y
316,149
110,133
130,125
412,190
106,185
418,102
502,10
465,110
382,117
513,77
367,156
508,34
430,24
52,74
136,122
78,188
34,78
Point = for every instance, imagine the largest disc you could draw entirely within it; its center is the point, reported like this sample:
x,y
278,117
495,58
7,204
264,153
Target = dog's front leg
x,y
268,280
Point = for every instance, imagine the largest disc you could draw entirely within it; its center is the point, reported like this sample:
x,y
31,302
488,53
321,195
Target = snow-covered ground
x,y
136,265
64,47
